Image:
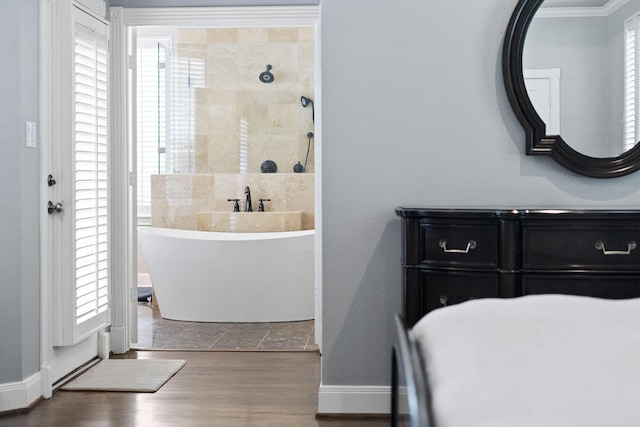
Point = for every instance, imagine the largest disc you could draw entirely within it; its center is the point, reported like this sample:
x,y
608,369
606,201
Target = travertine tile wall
x,y
177,199
241,121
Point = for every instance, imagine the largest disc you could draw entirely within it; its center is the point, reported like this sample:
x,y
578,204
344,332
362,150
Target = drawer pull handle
x,y
630,246
471,244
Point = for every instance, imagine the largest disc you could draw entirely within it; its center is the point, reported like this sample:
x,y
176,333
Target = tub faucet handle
x,y
261,205
236,205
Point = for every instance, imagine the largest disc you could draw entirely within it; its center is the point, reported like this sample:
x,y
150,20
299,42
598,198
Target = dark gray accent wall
x,y
19,193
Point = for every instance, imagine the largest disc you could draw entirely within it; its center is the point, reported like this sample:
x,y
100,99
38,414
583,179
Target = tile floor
x,y
156,333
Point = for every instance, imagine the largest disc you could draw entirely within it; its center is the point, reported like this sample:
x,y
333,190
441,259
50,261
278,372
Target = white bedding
x,y
534,361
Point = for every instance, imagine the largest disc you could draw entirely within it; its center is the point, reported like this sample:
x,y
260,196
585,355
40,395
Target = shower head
x,y
306,101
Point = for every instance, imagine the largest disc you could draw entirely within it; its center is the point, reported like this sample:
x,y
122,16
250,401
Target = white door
x,y
75,167
543,88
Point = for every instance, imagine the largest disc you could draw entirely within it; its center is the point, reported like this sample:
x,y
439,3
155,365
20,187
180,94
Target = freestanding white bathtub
x,y
231,277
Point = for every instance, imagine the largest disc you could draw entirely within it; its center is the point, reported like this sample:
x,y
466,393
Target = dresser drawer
x,y
613,286
588,248
470,246
440,289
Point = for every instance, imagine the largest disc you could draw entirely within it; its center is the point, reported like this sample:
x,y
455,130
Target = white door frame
x,y
124,226
123,292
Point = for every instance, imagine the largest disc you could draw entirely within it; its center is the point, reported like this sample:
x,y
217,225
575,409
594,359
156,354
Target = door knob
x,y
51,208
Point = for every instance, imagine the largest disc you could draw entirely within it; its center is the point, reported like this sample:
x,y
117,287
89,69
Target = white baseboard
x,y
337,399
20,395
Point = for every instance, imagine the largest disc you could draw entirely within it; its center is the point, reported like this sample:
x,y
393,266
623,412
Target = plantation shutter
x,y
91,220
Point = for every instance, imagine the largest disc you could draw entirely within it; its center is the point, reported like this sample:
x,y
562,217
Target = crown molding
x,y
224,17
581,12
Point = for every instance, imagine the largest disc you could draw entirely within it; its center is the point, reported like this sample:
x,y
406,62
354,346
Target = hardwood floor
x,y
227,389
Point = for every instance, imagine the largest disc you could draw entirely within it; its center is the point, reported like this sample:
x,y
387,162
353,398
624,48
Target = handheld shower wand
x,y
309,135
305,102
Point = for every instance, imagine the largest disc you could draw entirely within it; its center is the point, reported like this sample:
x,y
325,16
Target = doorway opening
x,y
203,123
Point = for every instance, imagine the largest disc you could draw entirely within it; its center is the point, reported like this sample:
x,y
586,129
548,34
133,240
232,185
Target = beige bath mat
x,y
137,375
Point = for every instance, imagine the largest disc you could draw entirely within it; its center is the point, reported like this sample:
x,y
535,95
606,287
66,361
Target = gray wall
x,y
19,220
413,113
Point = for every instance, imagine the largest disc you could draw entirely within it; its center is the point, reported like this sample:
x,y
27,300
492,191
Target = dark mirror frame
x,y
538,143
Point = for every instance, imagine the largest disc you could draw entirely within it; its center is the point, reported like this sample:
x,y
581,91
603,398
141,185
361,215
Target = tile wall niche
x,y
179,199
240,121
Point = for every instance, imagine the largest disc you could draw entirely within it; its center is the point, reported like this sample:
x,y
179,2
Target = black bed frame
x,y
410,409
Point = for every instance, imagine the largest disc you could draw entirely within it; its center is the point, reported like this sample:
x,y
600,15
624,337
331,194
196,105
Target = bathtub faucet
x,y
247,203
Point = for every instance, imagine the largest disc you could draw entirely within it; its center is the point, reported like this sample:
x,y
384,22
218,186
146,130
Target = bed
x,y
538,360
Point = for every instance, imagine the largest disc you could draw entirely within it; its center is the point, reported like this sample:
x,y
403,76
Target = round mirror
x,y
572,74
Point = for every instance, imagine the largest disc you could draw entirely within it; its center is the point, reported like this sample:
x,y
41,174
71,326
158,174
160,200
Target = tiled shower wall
x,y
241,121
177,199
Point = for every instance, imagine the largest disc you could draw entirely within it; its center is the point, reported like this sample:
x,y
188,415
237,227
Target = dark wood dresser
x,y
453,255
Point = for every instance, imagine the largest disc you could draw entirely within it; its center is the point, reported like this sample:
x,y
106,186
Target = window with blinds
x,y
90,132
631,82
165,108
